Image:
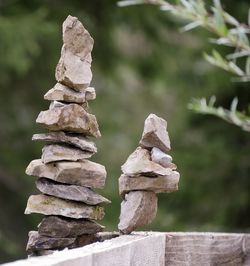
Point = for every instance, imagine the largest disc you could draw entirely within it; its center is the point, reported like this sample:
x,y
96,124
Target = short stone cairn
x,y
147,171
66,176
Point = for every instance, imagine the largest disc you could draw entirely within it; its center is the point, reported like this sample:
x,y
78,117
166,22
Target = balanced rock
x,y
74,66
161,184
83,173
162,158
138,209
54,226
77,140
70,192
155,133
59,152
139,163
37,242
70,117
49,205
63,93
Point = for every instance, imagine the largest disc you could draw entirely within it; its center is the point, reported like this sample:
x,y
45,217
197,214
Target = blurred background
x,y
141,64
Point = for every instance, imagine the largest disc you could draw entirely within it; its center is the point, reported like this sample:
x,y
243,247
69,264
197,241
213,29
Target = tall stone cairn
x,y
147,171
66,178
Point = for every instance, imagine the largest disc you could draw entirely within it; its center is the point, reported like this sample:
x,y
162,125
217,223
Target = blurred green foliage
x,y
141,64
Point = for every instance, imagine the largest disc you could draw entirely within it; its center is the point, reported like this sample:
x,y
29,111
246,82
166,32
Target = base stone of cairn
x,y
66,178
147,171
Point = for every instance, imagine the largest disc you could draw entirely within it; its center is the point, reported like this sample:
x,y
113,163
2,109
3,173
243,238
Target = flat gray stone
x,y
55,226
70,192
49,205
84,173
161,184
60,152
70,117
37,242
74,66
162,158
139,163
139,208
63,93
155,133
76,140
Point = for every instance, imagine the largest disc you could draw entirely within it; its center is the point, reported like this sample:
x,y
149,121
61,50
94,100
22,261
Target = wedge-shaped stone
x,y
138,209
49,205
139,163
162,158
159,184
54,226
70,192
56,152
70,117
77,140
63,93
37,242
155,133
84,173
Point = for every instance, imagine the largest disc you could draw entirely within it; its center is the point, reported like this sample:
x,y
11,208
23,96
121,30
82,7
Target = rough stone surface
x,y
159,184
37,242
138,209
74,66
162,158
70,192
49,205
155,133
77,140
139,163
84,240
70,117
63,93
84,173
54,226
59,152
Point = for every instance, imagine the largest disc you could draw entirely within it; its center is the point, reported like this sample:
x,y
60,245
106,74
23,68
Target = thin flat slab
x,y
69,117
74,66
49,205
62,152
55,226
70,192
77,140
161,184
139,208
63,93
84,173
37,242
155,133
139,163
162,158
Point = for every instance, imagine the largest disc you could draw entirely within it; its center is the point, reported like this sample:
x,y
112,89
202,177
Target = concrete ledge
x,y
154,249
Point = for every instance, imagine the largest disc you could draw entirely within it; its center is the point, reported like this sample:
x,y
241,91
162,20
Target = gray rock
x,y
84,240
77,140
49,205
59,152
138,209
63,93
56,104
159,184
84,173
139,163
54,226
155,133
70,192
70,117
37,242
162,158
74,66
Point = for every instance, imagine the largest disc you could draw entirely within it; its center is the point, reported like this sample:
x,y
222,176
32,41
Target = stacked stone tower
x,y
147,171
66,178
